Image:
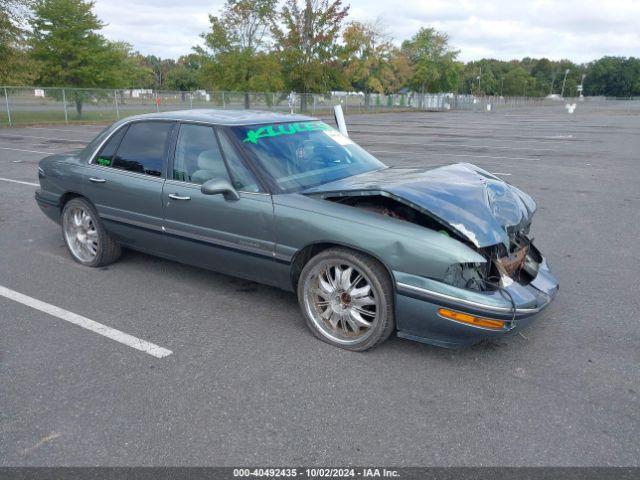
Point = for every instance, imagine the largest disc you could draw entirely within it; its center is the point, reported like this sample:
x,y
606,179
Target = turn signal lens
x,y
470,319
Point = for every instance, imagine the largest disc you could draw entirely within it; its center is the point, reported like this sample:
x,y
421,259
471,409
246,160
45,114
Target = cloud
x,y
504,29
159,27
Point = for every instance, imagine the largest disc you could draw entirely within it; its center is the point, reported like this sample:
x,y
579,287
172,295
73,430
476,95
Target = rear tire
x,y
87,241
346,298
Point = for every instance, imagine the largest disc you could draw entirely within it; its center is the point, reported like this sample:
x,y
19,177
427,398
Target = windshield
x,y
300,155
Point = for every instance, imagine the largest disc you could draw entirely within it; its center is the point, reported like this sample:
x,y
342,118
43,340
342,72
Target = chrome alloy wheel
x,y
341,302
80,233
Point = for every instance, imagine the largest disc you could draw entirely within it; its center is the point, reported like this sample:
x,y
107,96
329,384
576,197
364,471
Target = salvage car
x,y
440,255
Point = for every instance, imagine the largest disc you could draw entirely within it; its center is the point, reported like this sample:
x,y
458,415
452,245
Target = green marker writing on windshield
x,y
285,129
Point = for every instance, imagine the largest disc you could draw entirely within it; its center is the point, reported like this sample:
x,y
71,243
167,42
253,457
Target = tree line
x,y
304,46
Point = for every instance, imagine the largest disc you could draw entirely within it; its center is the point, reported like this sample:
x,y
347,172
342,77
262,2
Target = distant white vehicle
x,y
340,93
554,96
140,92
202,94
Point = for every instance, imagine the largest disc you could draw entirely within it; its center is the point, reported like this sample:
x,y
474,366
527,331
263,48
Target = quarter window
x,y
198,156
142,149
105,156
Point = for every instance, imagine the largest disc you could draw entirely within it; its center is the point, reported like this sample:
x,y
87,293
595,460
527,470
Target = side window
x,y
198,156
142,148
105,155
243,178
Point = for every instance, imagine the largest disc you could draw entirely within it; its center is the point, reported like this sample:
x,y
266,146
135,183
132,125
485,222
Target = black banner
x,y
411,473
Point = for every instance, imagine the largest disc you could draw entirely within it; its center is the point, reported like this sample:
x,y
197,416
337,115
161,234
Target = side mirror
x,y
217,186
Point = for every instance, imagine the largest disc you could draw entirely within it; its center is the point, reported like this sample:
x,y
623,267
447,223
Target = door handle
x,y
175,196
97,180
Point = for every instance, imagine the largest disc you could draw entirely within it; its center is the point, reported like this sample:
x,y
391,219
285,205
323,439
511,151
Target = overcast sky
x,y
505,29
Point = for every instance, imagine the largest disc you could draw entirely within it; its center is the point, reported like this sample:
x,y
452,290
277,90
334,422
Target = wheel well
x,y
68,196
303,256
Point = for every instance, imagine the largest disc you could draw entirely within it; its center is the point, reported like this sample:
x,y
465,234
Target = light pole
x,y
564,80
581,86
479,76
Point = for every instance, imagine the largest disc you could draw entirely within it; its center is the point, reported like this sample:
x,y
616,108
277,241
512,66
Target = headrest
x,y
209,160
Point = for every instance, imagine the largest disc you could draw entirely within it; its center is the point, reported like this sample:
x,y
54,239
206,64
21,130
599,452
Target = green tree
x,y
160,68
306,36
490,73
371,63
124,64
235,56
434,64
15,66
185,76
72,54
545,73
613,76
515,82
141,73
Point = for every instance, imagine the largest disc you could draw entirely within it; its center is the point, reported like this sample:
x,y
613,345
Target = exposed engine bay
x,y
518,262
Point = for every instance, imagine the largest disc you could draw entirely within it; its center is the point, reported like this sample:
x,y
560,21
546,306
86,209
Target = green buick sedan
x,y
437,255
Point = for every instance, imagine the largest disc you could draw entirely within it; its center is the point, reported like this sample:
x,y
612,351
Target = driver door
x,y
235,237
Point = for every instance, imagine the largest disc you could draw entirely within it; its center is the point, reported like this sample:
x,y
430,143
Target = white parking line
x,y
18,135
459,145
28,151
503,138
64,129
124,338
453,155
19,181
482,156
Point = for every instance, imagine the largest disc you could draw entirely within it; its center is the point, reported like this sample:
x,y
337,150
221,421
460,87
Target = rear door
x,y
124,181
230,236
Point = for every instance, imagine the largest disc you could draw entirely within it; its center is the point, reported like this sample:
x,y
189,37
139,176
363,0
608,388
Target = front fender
x,y
400,245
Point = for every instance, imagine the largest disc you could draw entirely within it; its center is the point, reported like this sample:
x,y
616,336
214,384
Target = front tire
x,y
346,298
87,241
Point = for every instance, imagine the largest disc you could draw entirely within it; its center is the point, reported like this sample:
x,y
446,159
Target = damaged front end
x,y
519,263
461,201
485,213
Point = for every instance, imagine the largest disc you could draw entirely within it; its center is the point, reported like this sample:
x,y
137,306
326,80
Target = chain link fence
x,y
28,105
32,105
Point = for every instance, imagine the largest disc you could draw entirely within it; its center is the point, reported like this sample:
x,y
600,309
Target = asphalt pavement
x,y
247,384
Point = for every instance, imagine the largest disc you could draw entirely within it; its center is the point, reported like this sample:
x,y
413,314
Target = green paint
x,y
105,162
284,129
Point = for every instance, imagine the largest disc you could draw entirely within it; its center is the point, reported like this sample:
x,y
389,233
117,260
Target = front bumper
x,y
418,300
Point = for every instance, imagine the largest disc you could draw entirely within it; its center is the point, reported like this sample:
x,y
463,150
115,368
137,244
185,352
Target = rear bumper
x,y
49,206
417,305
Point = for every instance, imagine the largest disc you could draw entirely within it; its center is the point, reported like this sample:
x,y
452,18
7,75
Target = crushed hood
x,y
478,205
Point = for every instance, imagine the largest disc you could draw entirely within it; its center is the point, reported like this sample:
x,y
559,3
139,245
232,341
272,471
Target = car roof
x,y
224,117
